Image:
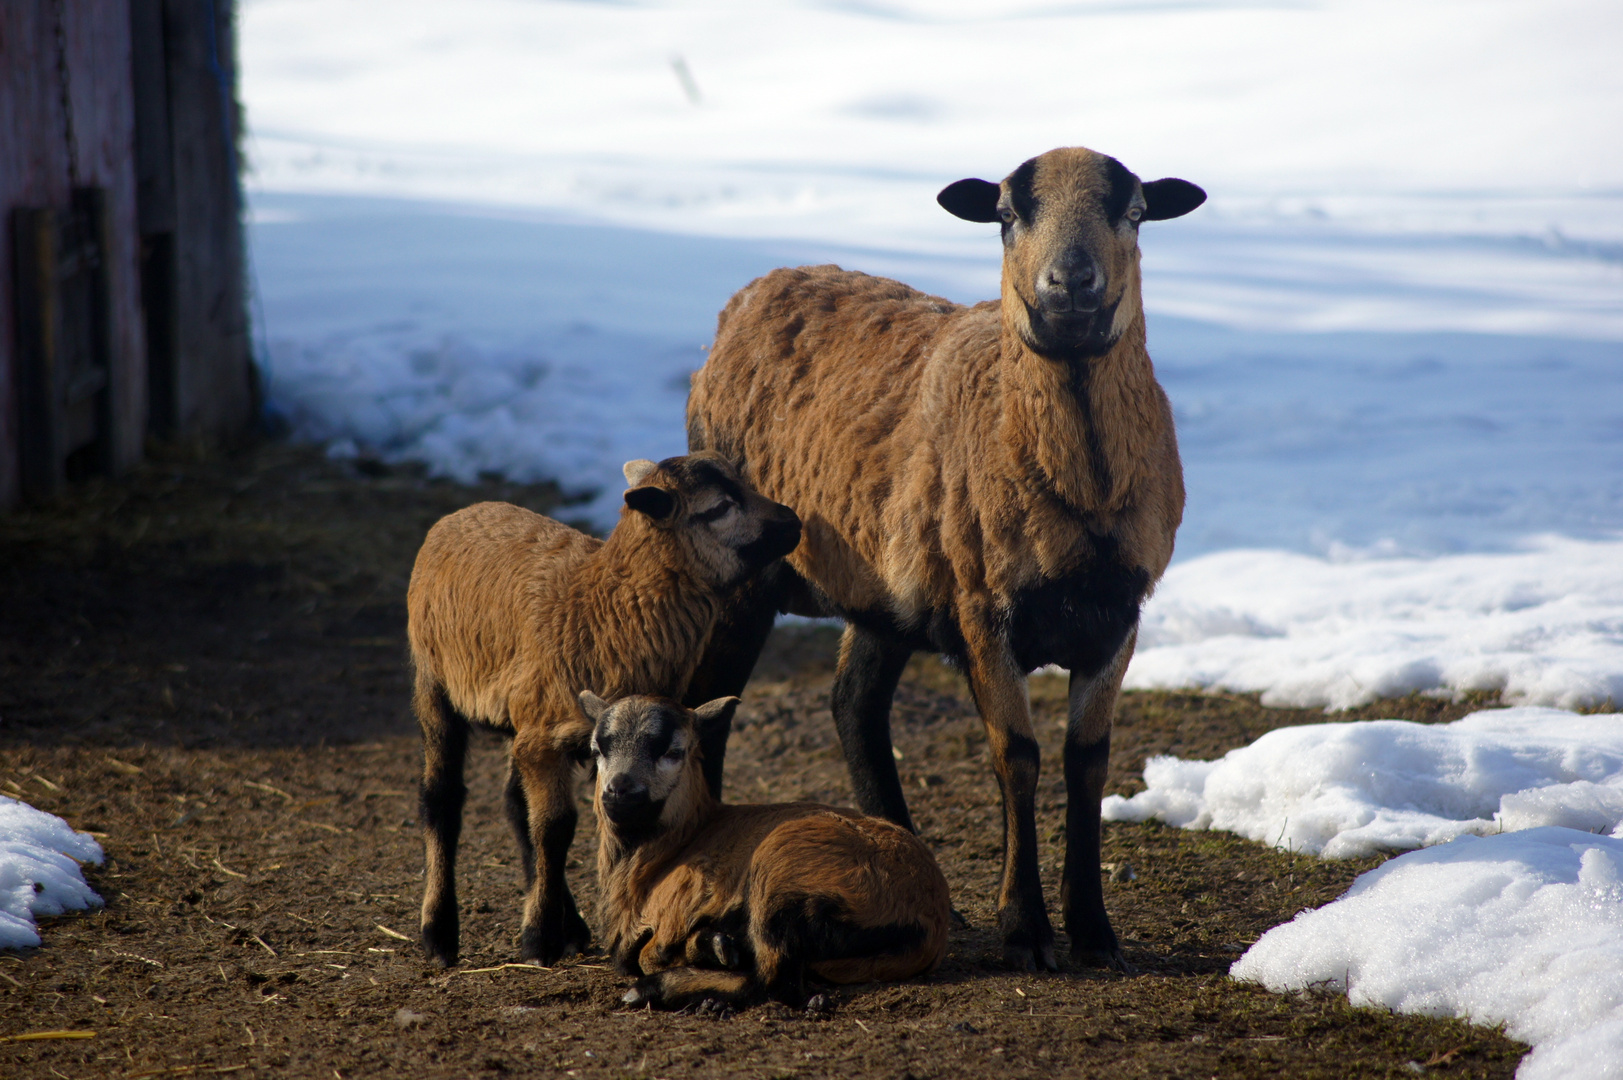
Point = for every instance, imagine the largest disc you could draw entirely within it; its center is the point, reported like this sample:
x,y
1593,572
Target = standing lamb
x,y
999,484
511,614
733,903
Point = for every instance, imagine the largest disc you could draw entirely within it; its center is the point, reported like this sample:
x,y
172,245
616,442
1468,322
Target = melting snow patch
x,y
1354,789
39,871
1524,929
1543,626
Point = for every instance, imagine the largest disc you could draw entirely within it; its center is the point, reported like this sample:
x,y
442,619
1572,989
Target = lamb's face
x,y
727,529
641,746
1070,222
649,773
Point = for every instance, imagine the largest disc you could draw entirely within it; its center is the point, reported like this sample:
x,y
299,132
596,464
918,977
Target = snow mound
x,y
1542,626
1524,929
39,871
1355,789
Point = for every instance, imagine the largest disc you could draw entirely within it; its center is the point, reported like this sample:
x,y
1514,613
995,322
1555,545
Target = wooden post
x,y
64,344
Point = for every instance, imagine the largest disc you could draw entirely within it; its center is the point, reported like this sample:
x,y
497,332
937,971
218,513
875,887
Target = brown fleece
x,y
745,868
941,465
511,614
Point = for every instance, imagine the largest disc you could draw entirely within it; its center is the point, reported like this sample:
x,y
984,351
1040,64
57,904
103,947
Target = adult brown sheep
x,y
736,903
511,614
999,484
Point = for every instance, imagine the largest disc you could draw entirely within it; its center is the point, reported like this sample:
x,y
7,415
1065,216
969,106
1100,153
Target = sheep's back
x,y
478,601
829,388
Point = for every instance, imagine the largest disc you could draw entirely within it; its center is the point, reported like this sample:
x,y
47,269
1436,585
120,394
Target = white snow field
x,y
1524,929
494,235
1542,625
39,871
1342,790
1515,916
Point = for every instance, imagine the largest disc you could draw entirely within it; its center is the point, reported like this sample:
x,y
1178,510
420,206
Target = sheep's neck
x,y
1087,425
661,615
628,871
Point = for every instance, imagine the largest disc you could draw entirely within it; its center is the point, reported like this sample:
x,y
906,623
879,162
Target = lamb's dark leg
x,y
729,657
552,926
445,744
1087,759
518,816
999,687
864,683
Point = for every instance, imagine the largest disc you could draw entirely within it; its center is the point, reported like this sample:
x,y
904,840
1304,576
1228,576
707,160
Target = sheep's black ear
x,y
972,200
656,502
593,706
1170,198
715,717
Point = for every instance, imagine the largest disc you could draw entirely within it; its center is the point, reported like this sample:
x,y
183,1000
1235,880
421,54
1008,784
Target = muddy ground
x,y
204,664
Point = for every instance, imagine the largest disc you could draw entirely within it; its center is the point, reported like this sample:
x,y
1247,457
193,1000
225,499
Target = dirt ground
x,y
204,665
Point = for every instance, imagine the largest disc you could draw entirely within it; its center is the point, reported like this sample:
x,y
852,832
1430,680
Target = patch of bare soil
x,y
204,664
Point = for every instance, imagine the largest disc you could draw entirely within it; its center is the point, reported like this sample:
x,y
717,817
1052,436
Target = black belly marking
x,y
1078,621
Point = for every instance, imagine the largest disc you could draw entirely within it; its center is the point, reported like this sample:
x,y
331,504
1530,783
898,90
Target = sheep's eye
x,y
704,517
1134,213
1007,214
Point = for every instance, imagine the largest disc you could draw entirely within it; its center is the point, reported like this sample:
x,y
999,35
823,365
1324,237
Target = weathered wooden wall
x,y
34,172
152,87
191,218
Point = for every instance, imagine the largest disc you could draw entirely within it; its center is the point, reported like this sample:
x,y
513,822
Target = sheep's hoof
x,y
819,1005
1028,943
1027,958
1111,959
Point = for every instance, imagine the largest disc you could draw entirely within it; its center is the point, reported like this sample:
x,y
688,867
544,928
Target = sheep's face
x,y
649,773
1070,222
727,529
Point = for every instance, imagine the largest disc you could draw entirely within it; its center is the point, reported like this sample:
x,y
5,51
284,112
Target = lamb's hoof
x,y
548,949
715,1008
725,951
439,951
819,1005
645,992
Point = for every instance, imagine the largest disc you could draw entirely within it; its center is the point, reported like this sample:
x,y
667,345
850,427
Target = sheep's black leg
x,y
729,658
1087,759
518,816
999,687
445,744
864,683
552,926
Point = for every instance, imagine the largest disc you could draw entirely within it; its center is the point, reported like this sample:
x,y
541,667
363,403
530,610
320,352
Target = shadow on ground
x,y
204,664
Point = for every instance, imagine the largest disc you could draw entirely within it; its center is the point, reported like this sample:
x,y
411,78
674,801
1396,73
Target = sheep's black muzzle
x,y
779,536
628,806
1071,334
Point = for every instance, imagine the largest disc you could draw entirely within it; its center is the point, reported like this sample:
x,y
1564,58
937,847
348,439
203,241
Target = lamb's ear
x,y
972,200
574,737
593,706
1170,198
637,471
715,717
656,502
